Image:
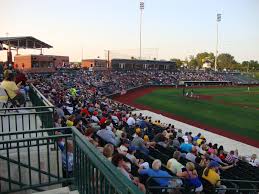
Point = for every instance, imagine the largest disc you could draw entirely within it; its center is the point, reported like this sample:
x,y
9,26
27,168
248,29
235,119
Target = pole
x,y
108,62
216,55
140,34
82,54
140,29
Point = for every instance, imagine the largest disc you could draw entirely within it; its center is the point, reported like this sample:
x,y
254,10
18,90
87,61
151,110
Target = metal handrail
x,y
26,113
35,138
244,181
25,146
45,100
118,181
26,108
33,131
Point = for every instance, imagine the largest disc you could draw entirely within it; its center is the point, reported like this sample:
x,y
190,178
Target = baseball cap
x,y
213,164
132,148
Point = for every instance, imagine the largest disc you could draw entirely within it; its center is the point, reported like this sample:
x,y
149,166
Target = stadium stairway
x,y
62,190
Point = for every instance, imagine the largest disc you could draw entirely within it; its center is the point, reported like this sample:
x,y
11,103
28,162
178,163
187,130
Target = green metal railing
x,y
42,104
26,118
23,157
37,98
93,173
41,115
31,163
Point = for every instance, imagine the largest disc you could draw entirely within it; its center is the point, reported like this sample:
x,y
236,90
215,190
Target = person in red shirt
x,y
222,156
103,120
84,110
20,77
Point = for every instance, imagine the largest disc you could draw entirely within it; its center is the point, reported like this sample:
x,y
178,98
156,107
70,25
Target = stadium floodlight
x,y
216,55
141,6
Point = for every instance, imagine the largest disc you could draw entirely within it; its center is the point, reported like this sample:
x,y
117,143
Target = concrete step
x,y
74,192
62,190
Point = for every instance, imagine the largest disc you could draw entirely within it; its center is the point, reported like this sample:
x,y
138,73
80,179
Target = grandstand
x,y
241,79
34,155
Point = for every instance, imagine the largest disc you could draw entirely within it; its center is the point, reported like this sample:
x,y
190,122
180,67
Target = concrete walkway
x,y
229,144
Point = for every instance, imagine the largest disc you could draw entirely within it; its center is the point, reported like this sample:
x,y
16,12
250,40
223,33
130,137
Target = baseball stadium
x,y
131,121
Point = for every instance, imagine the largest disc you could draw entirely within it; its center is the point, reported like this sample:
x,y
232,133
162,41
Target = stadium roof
x,y
26,42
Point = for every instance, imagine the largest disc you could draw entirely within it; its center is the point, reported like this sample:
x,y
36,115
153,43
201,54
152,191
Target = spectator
x,y
197,137
94,117
222,155
13,90
59,111
254,161
231,158
192,155
173,164
214,157
202,139
130,155
67,158
139,143
205,160
186,147
108,151
107,135
211,174
173,141
119,162
131,121
191,177
164,177
58,123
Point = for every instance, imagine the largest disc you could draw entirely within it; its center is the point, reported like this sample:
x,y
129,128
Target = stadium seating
x,y
91,90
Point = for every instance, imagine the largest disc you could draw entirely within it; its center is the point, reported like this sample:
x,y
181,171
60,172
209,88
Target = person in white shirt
x,y
253,160
131,121
95,119
192,155
115,119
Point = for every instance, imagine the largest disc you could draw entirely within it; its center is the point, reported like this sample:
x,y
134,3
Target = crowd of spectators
x,y
109,82
199,76
137,145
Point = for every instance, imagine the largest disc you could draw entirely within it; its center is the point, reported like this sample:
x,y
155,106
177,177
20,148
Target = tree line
x,y
224,61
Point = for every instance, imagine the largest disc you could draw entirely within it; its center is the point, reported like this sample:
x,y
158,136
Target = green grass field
x,y
231,109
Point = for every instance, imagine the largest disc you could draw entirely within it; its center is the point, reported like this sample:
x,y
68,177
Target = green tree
x,y
193,64
203,57
178,62
250,65
227,61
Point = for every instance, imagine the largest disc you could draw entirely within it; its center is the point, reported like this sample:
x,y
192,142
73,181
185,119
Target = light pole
x,y
216,55
141,6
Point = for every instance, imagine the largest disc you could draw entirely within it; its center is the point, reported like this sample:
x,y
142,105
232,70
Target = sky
x,y
170,28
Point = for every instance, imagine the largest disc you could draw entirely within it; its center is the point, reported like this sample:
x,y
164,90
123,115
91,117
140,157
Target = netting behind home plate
x,y
147,53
